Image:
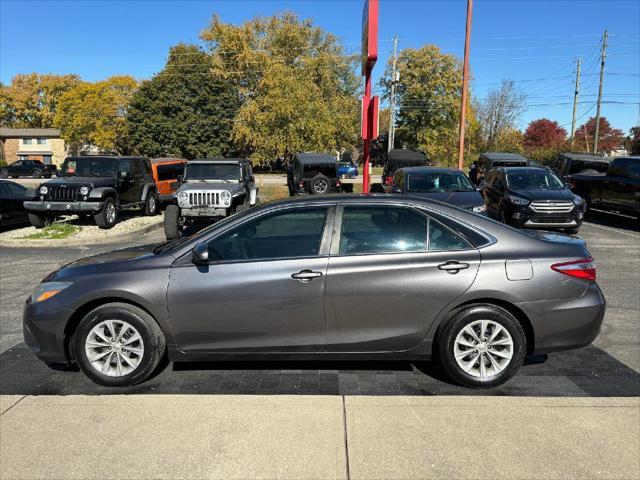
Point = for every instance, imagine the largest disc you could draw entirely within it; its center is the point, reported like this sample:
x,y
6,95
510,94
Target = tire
x,y
144,350
39,221
4,173
47,174
171,222
151,205
243,207
108,216
319,185
36,173
492,374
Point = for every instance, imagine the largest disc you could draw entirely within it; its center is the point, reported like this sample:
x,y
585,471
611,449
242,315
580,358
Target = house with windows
x,y
42,144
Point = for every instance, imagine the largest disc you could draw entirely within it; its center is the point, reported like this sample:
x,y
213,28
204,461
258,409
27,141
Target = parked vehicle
x,y
314,173
400,158
279,281
617,190
100,186
567,164
212,189
28,168
12,212
532,197
490,160
347,169
443,184
167,173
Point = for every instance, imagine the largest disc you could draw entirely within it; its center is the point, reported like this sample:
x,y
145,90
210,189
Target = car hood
x,y
230,187
459,199
564,194
94,182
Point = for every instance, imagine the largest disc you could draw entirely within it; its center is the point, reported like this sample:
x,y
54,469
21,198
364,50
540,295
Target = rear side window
x,y
169,172
578,166
441,238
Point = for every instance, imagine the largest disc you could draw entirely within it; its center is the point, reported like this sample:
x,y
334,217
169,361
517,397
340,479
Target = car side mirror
x,y
200,254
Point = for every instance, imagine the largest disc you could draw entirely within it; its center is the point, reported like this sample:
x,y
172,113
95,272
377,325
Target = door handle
x,y
453,266
305,276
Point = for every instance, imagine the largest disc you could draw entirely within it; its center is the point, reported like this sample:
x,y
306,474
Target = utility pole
x,y
465,83
603,57
575,101
392,104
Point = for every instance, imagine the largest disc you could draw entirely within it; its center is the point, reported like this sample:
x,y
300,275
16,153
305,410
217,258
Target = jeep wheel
x,y
108,216
319,184
171,222
36,173
4,173
39,221
47,174
151,205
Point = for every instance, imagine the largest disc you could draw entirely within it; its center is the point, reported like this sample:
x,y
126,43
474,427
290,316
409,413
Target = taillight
x,y
585,268
386,180
301,184
337,183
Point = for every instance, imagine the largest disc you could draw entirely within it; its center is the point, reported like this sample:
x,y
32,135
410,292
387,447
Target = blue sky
x,y
535,41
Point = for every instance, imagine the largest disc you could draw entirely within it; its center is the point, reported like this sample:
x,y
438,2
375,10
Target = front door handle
x,y
453,266
305,276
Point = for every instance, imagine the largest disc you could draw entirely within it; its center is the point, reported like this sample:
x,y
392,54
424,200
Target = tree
x,y
499,112
297,87
609,137
185,110
634,140
31,100
94,114
544,133
428,96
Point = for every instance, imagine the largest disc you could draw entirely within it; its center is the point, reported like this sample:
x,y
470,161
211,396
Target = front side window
x,y
287,234
379,229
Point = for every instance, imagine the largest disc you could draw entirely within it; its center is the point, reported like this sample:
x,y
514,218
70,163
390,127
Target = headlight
x,y
480,209
225,195
183,196
47,290
518,200
43,190
577,200
84,191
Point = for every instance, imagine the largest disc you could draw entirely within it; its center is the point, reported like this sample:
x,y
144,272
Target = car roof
x,y
105,156
167,160
406,155
502,156
426,169
314,158
219,160
591,157
521,169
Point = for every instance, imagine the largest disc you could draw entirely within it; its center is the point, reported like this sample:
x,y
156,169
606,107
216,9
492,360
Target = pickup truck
x,y
616,190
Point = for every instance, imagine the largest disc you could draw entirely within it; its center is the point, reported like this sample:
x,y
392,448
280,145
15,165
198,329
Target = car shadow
x,y
578,373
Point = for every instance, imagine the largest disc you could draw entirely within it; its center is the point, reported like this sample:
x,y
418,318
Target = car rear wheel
x,y
172,222
39,221
108,216
482,346
36,173
47,174
118,345
4,173
320,184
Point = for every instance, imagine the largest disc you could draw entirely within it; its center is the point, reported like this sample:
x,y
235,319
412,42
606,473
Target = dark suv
x,y
570,163
490,160
98,186
532,197
28,168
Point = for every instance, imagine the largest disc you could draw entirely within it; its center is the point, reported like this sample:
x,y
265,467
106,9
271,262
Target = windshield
x,y
89,167
212,171
439,182
534,181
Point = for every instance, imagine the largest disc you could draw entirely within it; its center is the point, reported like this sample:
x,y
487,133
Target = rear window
x,y
578,166
170,171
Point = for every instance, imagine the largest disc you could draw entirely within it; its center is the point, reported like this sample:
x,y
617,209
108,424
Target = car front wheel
x,y
118,345
172,222
482,346
108,216
4,173
36,173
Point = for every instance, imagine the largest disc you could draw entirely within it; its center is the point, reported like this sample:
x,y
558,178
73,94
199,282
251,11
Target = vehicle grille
x,y
63,193
552,207
204,199
550,219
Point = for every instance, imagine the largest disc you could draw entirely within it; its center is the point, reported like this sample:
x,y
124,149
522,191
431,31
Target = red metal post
x,y
365,147
465,84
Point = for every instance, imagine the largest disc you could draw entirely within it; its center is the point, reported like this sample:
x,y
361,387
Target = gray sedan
x,y
357,277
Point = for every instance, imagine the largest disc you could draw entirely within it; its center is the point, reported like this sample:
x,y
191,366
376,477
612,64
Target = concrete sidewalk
x,y
242,437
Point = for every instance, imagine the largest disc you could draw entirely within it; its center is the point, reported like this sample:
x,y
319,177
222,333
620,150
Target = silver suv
x,y
211,189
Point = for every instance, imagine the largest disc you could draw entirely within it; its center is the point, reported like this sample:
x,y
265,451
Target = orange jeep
x,y
165,174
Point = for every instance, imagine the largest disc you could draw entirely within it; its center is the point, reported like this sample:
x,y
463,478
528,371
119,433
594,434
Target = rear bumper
x,y
43,329
45,206
567,323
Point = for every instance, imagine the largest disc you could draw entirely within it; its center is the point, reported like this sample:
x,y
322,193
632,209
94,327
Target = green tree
x,y
31,100
633,140
429,96
298,89
186,110
94,114
498,114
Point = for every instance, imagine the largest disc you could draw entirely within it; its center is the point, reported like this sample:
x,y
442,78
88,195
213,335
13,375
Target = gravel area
x,y
88,229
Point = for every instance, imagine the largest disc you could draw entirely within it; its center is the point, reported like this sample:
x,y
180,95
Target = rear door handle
x,y
305,276
453,266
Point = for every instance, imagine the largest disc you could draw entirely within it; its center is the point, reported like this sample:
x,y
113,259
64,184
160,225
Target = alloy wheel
x,y
483,349
111,213
114,348
321,186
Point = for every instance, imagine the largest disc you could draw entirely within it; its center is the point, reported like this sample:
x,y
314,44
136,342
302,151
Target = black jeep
x,y
98,186
315,173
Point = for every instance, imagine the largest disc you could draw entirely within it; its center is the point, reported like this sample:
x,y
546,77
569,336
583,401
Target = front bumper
x,y
46,206
569,323
43,329
525,217
203,212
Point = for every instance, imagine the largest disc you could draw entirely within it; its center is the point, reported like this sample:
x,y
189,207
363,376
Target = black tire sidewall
x,y
153,345
101,217
171,222
462,318
4,173
147,209
36,174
